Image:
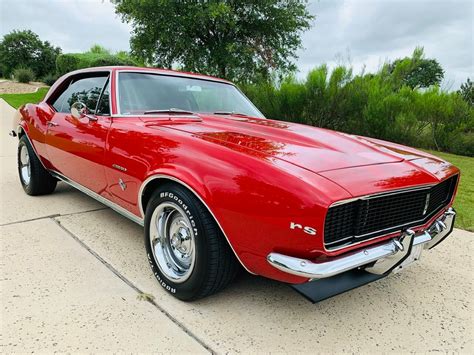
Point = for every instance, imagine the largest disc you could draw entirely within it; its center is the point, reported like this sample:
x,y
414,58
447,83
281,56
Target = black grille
x,y
373,216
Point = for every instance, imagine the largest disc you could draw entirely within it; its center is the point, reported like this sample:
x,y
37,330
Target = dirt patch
x,y
12,87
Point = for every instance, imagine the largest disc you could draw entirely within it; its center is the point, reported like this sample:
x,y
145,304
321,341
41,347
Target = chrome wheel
x,y
25,166
172,242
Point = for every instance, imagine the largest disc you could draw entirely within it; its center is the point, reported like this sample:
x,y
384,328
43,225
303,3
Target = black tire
x,y
40,180
215,264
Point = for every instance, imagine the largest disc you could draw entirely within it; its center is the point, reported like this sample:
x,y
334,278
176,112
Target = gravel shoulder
x,y
12,87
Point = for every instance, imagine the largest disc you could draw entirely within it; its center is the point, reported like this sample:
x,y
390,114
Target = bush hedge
x,y
24,75
370,105
49,79
66,63
73,61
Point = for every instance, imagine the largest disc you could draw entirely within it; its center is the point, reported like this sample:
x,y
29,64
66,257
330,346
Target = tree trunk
x,y
223,71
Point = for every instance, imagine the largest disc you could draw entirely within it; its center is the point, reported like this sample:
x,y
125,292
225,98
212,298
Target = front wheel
x,y
34,178
187,252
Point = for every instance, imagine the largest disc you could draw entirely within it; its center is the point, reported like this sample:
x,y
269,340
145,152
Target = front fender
x,y
260,206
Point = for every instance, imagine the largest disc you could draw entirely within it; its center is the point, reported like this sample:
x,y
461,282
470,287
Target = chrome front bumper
x,y
379,259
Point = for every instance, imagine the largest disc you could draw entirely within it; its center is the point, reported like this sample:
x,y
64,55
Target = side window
x,y
58,103
103,107
86,90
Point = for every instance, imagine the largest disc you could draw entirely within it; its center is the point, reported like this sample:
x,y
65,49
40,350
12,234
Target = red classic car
x,y
216,185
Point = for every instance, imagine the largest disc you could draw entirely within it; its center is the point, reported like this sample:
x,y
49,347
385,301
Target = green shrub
x,y
23,75
49,79
370,105
98,49
66,63
107,60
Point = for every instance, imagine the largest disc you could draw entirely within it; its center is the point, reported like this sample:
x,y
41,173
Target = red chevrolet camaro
x,y
217,186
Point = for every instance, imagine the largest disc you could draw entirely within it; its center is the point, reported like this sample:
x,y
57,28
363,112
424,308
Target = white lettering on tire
x,y
158,277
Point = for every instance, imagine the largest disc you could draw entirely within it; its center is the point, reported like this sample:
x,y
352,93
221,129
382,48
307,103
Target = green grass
x,y
16,100
464,202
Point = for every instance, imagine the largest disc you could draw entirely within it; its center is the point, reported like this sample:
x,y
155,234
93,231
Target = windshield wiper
x,y
172,110
230,113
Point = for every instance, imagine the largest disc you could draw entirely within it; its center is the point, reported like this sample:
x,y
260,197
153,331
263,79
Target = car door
x,y
76,147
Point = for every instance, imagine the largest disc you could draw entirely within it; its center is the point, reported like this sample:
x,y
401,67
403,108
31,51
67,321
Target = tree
x,y
98,49
25,49
417,71
467,92
237,40
96,56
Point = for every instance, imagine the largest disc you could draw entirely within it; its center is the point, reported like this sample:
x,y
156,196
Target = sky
x,y
360,33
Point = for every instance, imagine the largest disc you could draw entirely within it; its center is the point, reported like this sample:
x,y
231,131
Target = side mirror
x,y
79,110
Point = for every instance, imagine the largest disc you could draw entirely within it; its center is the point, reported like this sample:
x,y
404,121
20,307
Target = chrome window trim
x,y
109,78
176,74
109,83
168,177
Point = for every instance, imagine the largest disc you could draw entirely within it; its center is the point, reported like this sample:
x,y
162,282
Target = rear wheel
x,y
187,252
34,178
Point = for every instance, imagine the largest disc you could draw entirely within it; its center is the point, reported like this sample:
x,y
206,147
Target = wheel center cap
x,y
175,240
180,240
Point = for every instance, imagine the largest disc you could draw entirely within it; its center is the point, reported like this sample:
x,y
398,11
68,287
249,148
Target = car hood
x,y
360,165
311,148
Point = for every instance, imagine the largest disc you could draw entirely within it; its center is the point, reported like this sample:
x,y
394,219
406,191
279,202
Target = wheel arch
x,y
20,131
147,189
154,181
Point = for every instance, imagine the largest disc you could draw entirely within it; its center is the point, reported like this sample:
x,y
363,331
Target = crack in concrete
x,y
30,220
81,212
52,216
132,285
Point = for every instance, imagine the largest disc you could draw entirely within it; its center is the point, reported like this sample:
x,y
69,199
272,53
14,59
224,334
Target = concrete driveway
x,y
74,278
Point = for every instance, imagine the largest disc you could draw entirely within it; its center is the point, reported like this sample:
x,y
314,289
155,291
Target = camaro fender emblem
x,y
122,185
306,229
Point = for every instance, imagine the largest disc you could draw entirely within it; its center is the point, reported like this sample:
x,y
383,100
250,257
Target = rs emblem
x,y
306,229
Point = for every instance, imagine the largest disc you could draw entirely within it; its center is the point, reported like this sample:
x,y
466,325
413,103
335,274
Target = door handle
x,y
52,124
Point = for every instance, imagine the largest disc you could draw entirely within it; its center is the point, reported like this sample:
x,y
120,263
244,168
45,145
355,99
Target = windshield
x,y
143,92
